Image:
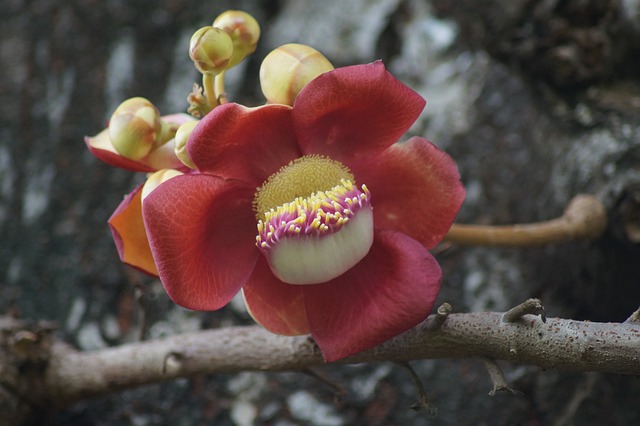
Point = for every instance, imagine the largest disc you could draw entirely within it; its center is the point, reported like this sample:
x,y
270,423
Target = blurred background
x,y
536,101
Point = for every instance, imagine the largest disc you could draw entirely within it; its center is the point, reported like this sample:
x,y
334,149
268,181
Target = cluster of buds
x,y
139,138
234,36
216,48
137,132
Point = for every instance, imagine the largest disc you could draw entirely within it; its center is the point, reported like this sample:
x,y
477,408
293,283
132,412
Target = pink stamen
x,y
322,213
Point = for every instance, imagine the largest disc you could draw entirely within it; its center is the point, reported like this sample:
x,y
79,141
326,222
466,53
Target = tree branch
x,y
584,218
562,344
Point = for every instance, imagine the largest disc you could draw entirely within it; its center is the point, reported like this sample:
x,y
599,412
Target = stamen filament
x,y
313,216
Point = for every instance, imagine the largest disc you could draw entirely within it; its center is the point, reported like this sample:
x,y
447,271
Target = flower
x,y
354,275
126,223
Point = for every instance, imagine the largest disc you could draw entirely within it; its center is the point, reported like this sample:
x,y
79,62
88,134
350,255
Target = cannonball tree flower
x,y
314,211
138,139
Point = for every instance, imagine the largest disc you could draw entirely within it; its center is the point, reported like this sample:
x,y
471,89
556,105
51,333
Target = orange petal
x,y
127,228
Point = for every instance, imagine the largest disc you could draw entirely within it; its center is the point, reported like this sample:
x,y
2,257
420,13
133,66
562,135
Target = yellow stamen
x,y
311,174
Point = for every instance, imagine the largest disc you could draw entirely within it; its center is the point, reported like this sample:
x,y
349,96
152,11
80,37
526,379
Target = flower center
x,y
300,178
314,223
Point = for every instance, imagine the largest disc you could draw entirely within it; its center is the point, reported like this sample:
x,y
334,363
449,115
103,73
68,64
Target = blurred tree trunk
x,y
536,101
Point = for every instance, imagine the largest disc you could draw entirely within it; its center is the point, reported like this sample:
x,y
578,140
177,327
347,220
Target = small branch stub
x,y
172,363
528,307
634,318
440,317
497,378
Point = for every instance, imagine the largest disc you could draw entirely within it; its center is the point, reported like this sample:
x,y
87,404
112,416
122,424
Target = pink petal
x,y
177,118
354,112
248,144
390,291
415,189
202,234
277,306
127,228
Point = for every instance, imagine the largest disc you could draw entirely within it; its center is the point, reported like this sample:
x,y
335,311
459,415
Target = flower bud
x,y
210,49
244,31
182,135
156,179
287,69
135,128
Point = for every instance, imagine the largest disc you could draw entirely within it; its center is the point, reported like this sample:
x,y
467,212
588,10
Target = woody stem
x,y
584,218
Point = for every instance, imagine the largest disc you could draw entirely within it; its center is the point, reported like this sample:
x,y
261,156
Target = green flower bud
x,y
244,31
287,69
211,49
182,135
135,128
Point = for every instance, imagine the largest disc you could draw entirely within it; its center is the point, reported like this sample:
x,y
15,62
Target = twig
x,y
339,390
528,307
497,378
585,218
423,402
138,295
582,392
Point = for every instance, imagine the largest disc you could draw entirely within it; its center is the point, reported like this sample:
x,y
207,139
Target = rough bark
x,y
41,372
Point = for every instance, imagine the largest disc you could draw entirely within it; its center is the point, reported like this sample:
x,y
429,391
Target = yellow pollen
x,y
301,178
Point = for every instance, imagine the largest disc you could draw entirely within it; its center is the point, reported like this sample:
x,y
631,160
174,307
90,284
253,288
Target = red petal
x,y
127,228
277,306
202,234
248,144
415,189
390,291
354,112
